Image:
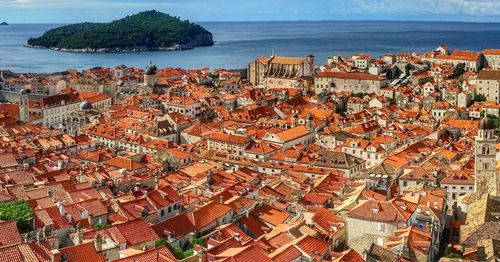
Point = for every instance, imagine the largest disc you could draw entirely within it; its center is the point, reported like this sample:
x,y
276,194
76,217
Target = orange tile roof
x,y
373,210
348,75
271,215
83,252
491,51
209,213
9,234
349,255
293,133
287,60
314,247
159,254
234,139
126,163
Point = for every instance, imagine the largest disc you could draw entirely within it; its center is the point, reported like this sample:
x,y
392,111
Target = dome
x,y
486,123
150,69
85,105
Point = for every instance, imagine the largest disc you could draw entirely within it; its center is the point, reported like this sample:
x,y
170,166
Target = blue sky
x,y
70,11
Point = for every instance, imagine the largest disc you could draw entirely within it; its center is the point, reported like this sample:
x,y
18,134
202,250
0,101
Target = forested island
x,y
4,23
145,31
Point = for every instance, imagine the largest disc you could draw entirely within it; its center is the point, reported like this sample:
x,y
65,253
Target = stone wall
x,y
13,97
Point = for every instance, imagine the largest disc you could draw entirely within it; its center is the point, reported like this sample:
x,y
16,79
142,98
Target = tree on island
x,y
147,30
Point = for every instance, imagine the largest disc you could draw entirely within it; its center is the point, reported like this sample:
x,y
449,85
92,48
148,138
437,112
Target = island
x,y
4,23
145,31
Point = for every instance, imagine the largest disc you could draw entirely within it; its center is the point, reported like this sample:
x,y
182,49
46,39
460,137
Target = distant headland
x,y
145,31
4,23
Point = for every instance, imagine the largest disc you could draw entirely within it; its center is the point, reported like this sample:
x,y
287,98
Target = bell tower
x,y
486,179
24,114
150,75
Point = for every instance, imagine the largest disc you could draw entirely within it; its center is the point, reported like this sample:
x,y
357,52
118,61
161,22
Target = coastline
x,y
176,47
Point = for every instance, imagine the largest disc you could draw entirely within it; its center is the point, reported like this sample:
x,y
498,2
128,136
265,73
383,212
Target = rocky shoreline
x,y
112,50
177,47
200,40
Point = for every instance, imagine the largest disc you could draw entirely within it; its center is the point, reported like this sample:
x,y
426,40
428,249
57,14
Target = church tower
x,y
486,179
24,110
150,75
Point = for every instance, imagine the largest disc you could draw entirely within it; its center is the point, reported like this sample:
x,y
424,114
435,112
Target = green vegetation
x,y
180,253
453,255
100,226
200,242
495,120
409,68
479,98
149,30
18,211
459,70
360,95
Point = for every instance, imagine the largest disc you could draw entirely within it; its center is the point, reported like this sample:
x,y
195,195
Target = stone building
x,y
280,72
492,57
355,82
487,180
150,75
488,84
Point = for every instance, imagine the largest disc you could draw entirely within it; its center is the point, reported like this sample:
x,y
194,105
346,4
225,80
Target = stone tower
x,y
150,75
24,114
486,178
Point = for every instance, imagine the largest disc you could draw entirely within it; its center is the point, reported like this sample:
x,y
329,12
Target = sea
x,y
238,43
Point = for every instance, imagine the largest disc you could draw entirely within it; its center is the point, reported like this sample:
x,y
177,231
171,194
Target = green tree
x,y
453,255
160,243
479,98
178,253
459,70
200,242
409,68
145,30
18,211
100,226
361,94
495,120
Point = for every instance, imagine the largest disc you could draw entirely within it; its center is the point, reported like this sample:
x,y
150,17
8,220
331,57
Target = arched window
x,y
486,150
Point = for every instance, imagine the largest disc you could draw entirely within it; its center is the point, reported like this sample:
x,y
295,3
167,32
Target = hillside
x,y
145,31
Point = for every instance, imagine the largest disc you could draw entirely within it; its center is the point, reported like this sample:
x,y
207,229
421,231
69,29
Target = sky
x,y
72,11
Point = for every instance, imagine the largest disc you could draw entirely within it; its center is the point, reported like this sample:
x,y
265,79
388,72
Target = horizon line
x,y
281,21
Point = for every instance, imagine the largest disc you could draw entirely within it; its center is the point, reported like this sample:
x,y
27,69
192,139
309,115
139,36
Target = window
x,y
169,209
380,241
381,227
162,213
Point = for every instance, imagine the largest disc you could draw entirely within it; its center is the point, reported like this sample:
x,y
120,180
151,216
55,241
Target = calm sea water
x,y
237,43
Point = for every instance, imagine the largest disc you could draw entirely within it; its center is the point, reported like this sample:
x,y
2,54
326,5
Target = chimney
x,y
54,256
98,242
50,192
79,234
60,206
221,199
237,237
